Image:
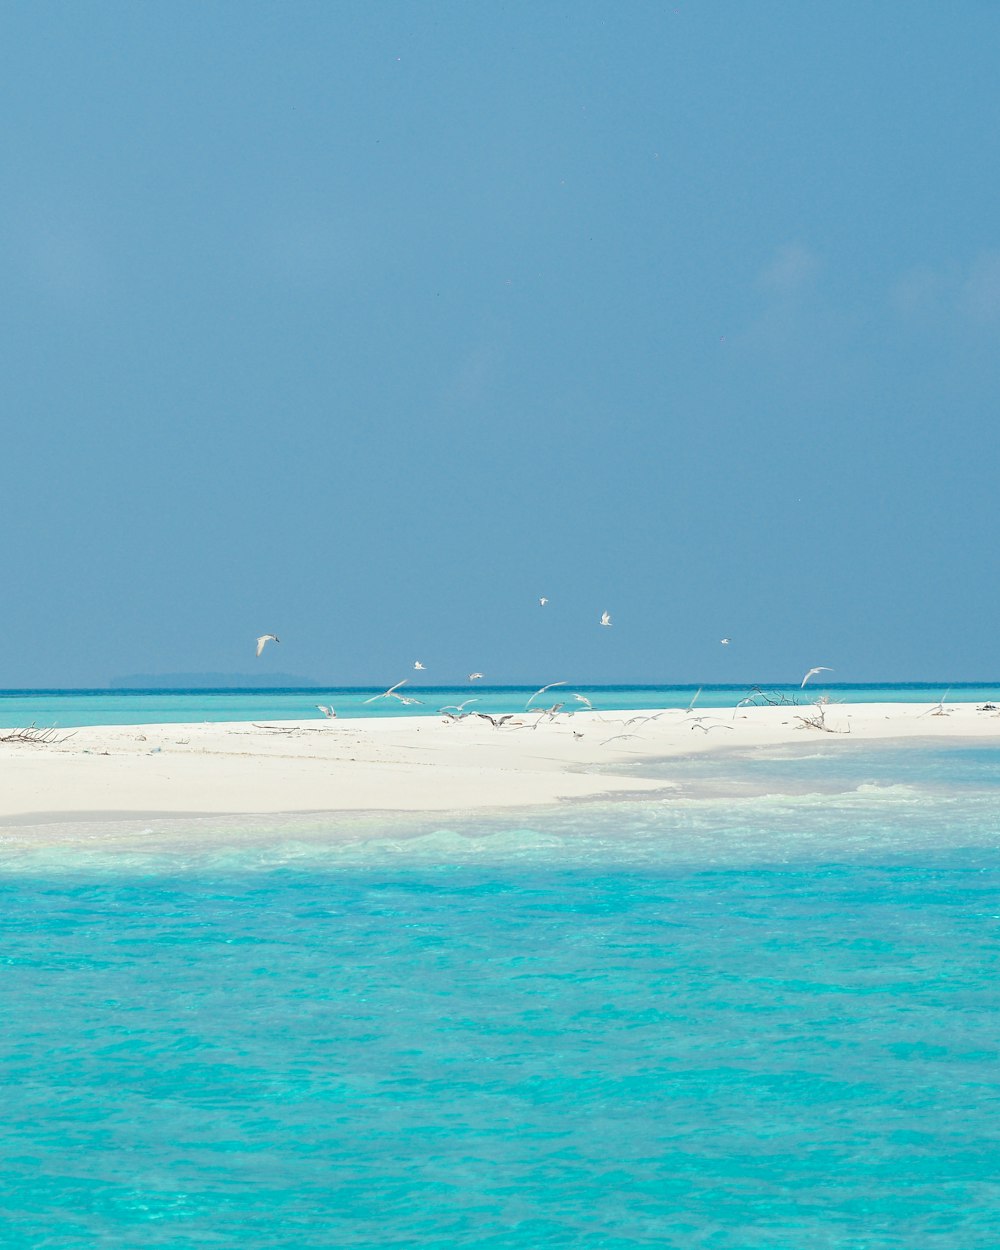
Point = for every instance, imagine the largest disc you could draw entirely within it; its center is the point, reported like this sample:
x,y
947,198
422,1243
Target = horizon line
x,y
516,686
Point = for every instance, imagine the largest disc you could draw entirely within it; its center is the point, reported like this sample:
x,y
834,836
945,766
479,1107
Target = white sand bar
x,y
417,763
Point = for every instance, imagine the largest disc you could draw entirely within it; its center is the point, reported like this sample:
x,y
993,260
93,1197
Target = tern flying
x,y
457,707
725,641
496,721
542,602
328,712
390,693
264,639
475,677
605,618
418,666
640,719
812,673
550,686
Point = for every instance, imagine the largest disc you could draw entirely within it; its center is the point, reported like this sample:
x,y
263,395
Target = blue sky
x,y
370,324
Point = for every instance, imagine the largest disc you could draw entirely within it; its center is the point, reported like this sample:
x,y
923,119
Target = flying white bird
x,y
475,677
264,639
551,712
457,707
542,602
390,693
725,641
550,686
605,618
497,722
582,698
641,720
328,712
812,673
699,723
618,738
418,666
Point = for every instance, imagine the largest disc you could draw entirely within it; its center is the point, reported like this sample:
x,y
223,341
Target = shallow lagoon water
x,y
759,1020
67,708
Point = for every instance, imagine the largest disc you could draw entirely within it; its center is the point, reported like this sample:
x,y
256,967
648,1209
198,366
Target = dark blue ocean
x,y
763,1016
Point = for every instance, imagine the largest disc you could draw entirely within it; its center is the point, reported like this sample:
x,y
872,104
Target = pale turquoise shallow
x,y
760,1022
137,707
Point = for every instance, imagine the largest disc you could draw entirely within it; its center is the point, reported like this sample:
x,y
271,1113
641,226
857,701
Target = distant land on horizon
x,y
201,681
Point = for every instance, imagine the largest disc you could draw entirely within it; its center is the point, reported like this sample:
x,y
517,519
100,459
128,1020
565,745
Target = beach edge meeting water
x,y
455,761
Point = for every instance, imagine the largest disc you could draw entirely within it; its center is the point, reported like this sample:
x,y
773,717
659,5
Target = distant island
x,y
213,681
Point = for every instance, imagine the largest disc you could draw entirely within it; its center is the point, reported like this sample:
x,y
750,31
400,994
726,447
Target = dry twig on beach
x,y
34,736
818,719
756,696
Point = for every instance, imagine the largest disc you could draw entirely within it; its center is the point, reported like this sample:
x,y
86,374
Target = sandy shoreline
x,y
417,764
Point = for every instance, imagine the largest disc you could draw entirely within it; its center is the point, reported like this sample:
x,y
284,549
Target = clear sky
x,y
368,324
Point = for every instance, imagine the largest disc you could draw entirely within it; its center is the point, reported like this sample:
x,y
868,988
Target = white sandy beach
x,y
416,764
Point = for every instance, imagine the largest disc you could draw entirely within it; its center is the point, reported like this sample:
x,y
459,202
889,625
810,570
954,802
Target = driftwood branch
x,y
757,696
34,736
818,719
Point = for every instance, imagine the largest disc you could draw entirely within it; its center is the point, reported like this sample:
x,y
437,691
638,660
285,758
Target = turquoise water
x,y
766,1021
143,707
